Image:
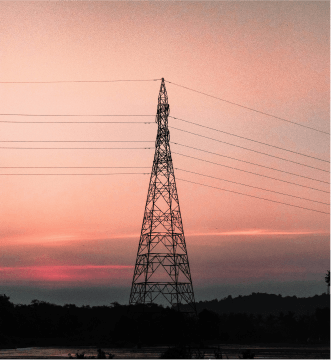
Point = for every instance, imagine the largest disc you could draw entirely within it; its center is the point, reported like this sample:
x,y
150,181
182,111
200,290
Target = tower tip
x,y
162,79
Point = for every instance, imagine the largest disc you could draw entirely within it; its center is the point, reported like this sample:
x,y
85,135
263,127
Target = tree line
x,y
230,320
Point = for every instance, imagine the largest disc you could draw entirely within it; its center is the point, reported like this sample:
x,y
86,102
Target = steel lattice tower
x,y
162,266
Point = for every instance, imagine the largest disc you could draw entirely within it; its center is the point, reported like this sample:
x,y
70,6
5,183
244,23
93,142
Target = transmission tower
x,y
162,267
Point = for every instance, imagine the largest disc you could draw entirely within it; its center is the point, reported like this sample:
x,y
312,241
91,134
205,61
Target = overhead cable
x,y
242,137
74,115
248,162
71,81
249,172
256,197
246,107
74,167
241,147
62,148
78,141
75,174
255,187
77,122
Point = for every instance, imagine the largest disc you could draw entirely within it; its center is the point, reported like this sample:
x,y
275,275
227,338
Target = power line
x,y
245,107
62,148
70,81
249,172
77,122
78,141
241,147
255,187
75,174
74,115
242,137
248,162
74,167
257,197
112,115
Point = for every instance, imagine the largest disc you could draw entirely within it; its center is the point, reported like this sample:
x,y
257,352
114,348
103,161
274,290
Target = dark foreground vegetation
x,y
254,319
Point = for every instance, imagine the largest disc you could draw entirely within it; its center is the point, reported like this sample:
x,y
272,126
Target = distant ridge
x,y
264,304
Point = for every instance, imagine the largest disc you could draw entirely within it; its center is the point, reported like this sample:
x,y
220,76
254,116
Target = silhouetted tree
x,y
8,323
327,280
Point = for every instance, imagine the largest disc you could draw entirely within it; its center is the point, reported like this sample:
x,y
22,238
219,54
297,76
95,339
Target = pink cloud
x,y
257,232
66,274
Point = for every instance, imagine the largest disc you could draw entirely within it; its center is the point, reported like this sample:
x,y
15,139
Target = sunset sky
x,y
74,238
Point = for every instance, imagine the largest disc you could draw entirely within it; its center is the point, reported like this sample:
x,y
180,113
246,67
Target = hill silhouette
x,y
265,304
